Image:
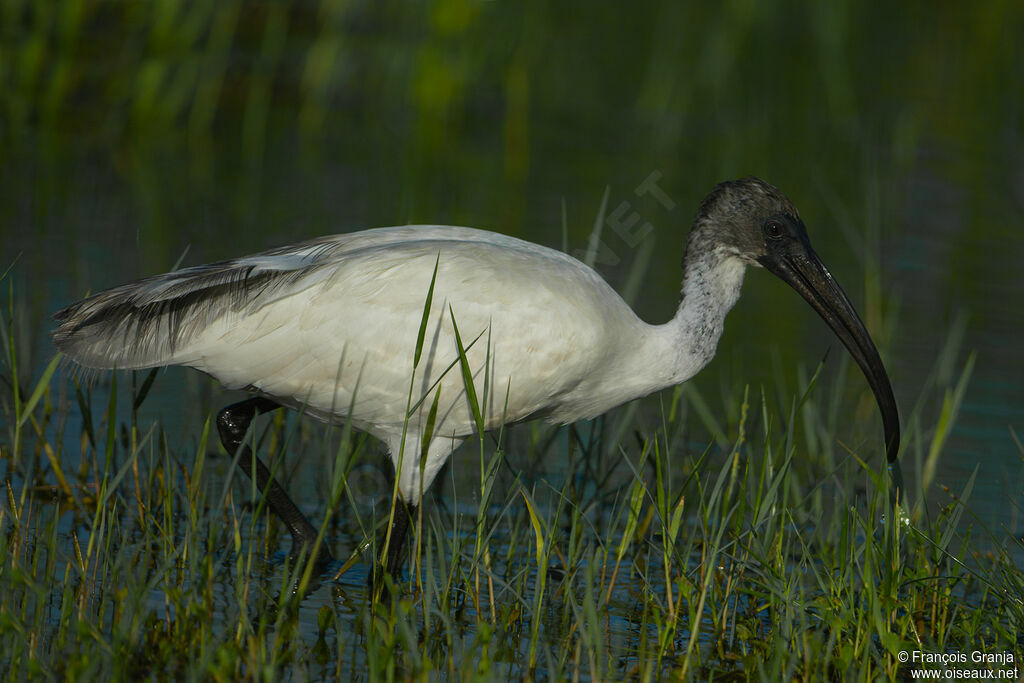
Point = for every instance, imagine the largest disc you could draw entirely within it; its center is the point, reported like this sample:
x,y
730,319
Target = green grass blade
x,y
147,384
421,335
41,386
467,377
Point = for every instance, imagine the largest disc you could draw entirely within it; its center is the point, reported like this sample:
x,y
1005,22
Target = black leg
x,y
392,551
232,423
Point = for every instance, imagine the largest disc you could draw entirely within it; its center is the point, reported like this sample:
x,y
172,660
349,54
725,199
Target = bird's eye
x,y
773,229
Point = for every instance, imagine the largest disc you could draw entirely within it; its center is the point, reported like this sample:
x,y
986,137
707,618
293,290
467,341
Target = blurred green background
x,y
135,134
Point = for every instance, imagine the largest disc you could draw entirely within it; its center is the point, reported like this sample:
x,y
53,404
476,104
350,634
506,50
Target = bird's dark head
x,y
753,221
746,218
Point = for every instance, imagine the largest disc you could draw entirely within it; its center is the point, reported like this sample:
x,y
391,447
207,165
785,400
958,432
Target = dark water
x,y
131,139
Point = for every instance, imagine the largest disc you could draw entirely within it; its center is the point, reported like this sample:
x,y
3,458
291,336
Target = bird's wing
x,y
334,321
532,322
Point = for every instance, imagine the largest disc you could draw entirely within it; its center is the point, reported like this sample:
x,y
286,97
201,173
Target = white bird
x,y
331,327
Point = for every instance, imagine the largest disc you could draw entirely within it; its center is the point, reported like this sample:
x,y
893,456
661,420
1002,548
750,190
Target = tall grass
x,y
646,555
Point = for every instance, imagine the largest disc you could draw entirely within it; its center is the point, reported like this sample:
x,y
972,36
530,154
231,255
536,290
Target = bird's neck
x,y
660,356
712,280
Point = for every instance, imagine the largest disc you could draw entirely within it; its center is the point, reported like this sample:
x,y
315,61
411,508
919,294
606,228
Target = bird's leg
x,y
392,545
232,423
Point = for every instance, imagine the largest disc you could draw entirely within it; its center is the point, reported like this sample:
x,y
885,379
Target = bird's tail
x,y
152,322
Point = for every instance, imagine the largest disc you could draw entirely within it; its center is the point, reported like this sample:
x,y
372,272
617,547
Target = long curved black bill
x,y
798,265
